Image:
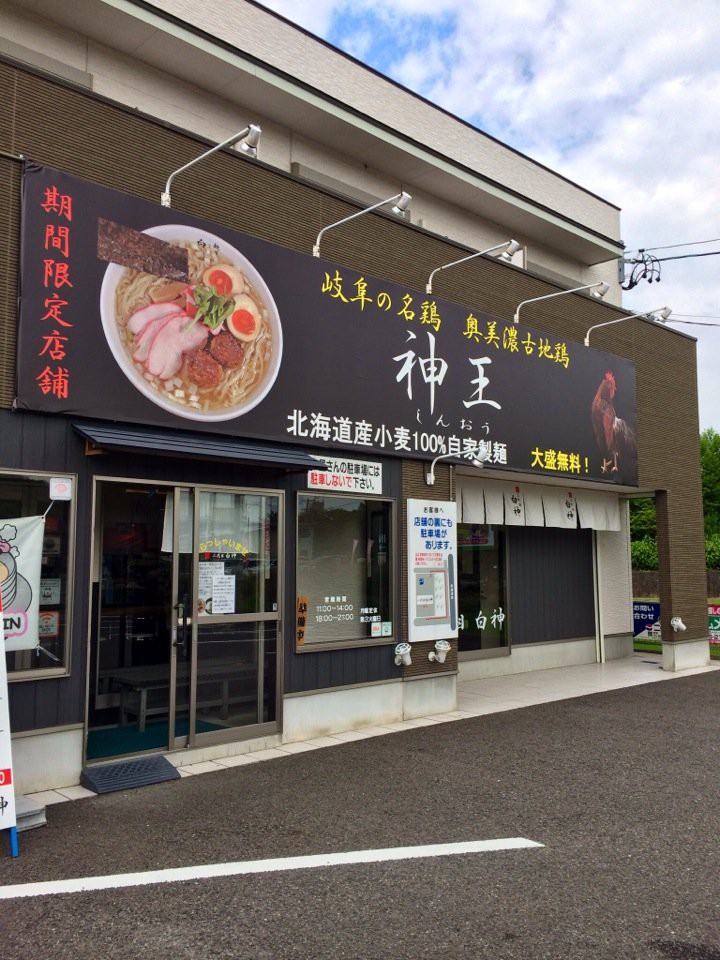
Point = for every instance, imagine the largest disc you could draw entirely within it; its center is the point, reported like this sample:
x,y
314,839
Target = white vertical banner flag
x,y
7,790
21,542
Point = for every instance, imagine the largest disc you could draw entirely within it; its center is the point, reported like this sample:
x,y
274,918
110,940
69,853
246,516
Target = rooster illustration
x,y
615,438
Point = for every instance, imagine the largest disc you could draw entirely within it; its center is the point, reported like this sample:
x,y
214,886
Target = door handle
x,y
179,632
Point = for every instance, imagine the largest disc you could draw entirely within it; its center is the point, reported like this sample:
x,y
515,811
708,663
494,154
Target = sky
x,y
622,98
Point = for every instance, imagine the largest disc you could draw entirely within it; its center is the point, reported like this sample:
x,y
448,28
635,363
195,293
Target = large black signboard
x,y
134,312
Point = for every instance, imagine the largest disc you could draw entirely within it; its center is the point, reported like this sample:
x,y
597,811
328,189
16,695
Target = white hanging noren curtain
x,y
494,504
471,503
560,508
534,505
514,506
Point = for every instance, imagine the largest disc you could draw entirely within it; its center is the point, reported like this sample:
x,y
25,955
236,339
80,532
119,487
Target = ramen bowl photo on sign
x,y
189,320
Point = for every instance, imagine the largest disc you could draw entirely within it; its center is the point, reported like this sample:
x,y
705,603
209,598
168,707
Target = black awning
x,y
181,443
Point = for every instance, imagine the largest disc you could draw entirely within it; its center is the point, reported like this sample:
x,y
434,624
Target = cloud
x,y
622,99
316,17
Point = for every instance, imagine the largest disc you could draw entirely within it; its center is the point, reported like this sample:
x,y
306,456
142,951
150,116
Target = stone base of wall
x,y
48,760
685,655
322,713
618,646
534,656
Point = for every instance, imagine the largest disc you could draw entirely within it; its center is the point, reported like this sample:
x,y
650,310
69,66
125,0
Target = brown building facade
x,y
223,578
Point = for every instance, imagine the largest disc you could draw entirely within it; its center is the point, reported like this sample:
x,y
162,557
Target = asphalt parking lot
x,y
617,790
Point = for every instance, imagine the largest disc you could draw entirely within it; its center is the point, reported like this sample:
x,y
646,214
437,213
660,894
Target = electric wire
x,y
672,246
687,256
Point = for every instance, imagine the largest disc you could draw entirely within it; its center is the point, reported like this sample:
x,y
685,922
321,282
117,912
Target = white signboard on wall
x,y
345,475
432,570
61,488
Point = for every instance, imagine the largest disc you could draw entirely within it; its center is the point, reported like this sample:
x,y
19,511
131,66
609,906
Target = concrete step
x,y
29,813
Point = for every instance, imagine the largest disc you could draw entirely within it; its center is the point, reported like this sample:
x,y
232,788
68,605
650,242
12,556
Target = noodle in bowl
x,y
200,388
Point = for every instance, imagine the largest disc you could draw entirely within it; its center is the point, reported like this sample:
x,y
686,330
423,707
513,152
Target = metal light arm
x,y
509,246
602,289
401,201
658,316
481,455
251,134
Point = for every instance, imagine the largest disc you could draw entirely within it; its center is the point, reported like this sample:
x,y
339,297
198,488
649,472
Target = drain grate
x,y
128,774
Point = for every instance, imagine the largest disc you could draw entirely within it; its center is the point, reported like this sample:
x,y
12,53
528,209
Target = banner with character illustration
x,y
21,542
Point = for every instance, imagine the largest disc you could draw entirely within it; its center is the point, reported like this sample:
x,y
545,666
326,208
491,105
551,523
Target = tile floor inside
x,y
475,698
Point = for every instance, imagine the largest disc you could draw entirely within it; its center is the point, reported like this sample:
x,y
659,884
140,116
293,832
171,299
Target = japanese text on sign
x,y
362,433
57,284
351,476
426,312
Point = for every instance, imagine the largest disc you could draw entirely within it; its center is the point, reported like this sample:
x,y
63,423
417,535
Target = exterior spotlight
x,y
402,655
250,136
401,206
657,316
598,290
442,648
400,202
509,247
677,624
481,455
248,145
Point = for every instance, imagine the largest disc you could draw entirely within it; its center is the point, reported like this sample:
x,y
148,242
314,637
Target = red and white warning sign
x,y
7,790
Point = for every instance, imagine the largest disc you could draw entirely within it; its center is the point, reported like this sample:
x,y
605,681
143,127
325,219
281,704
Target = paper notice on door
x,y
223,594
207,574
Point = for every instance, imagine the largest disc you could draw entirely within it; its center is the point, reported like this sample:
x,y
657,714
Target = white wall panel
x,y
613,552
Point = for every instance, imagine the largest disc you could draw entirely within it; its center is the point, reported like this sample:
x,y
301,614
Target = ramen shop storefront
x,y
186,596
236,363
160,591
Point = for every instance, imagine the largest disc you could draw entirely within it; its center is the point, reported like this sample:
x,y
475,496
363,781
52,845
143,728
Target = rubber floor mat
x,y
130,773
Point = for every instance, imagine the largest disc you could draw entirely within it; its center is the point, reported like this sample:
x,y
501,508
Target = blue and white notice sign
x,y
432,570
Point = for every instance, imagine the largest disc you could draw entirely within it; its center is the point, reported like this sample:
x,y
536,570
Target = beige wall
x,y
277,43
615,577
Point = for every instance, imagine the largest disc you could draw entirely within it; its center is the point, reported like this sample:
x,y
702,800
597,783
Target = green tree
x,y
644,554
712,551
643,522
643,519
710,464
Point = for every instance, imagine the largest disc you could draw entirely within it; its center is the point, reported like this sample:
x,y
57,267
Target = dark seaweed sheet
x,y
130,248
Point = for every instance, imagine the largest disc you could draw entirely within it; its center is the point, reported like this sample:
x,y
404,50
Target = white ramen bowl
x,y
174,233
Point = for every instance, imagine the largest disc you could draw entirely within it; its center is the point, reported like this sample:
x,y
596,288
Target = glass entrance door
x,y
236,604
185,617
129,703
178,536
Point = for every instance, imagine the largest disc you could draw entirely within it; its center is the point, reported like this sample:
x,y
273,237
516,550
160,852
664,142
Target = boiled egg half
x,y
245,321
224,279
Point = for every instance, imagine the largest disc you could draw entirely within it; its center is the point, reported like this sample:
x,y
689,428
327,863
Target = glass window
x,y
481,588
238,553
24,496
344,577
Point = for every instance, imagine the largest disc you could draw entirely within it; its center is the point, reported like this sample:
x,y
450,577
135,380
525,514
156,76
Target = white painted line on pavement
x,y
207,871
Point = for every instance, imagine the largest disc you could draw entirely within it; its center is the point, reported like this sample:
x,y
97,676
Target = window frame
x,y
360,642
50,673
